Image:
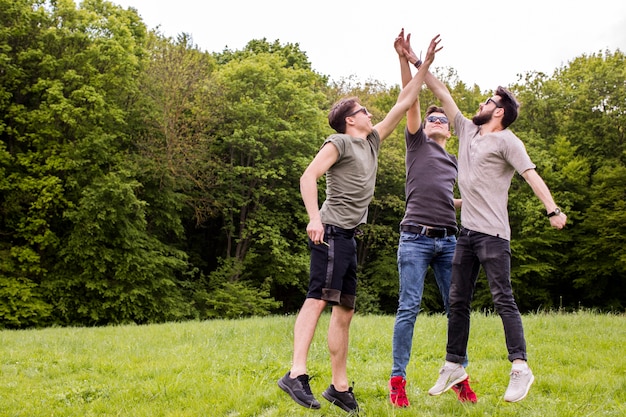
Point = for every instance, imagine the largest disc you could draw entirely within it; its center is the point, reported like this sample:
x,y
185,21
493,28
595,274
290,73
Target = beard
x,y
482,118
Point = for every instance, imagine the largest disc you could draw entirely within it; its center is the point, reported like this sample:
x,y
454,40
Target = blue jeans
x,y
474,249
415,254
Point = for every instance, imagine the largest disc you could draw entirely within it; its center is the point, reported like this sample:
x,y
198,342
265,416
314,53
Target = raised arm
x,y
440,91
408,95
405,55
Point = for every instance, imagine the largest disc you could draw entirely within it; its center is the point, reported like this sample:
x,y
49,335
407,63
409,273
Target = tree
x,y
575,128
272,125
73,72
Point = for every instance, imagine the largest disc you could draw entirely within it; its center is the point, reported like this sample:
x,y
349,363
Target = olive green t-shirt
x,y
350,181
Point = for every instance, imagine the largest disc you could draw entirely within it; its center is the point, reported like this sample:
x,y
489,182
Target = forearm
x,y
412,89
557,219
405,71
540,189
413,119
438,88
308,190
440,91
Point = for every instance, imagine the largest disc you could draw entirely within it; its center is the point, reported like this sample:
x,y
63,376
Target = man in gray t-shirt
x,y
489,155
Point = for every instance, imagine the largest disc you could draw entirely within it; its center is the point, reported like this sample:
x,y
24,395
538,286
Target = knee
x,y
504,302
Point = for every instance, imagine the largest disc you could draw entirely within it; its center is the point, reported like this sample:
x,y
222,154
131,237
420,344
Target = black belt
x,y
428,231
330,230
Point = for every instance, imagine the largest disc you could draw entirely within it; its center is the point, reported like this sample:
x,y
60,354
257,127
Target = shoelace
x,y
304,380
399,391
516,376
402,395
350,389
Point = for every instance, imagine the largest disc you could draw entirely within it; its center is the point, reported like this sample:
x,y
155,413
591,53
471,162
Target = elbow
x,y
529,174
305,179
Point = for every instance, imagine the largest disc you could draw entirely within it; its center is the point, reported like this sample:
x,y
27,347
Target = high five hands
x,y
403,47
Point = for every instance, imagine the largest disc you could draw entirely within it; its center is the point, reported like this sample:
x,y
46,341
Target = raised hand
x,y
409,53
433,48
399,44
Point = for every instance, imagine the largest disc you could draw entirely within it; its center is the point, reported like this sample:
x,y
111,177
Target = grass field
x,y
230,368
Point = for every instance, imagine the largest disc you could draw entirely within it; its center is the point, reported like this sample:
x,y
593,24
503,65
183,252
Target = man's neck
x,y
356,133
490,128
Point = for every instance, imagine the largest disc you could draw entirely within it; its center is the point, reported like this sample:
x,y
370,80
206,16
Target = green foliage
x,y
239,299
578,119
601,271
73,73
144,180
223,298
289,53
238,167
272,124
20,304
122,273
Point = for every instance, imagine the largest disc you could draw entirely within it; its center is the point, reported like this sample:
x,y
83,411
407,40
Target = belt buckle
x,y
433,232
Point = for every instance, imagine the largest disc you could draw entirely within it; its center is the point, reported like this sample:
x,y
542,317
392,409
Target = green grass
x,y
230,368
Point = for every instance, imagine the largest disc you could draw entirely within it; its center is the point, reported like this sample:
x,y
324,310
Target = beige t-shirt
x,y
486,166
350,181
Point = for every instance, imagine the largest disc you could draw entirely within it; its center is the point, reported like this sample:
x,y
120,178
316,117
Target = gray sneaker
x,y
299,390
449,376
519,385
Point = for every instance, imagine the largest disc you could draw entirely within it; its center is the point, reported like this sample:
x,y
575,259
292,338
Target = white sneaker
x,y
519,385
448,377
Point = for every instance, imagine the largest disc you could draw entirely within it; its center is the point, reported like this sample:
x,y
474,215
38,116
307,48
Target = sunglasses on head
x,y
362,109
441,119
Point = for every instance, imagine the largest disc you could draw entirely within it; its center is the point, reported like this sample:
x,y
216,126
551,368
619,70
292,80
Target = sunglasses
x,y
362,109
441,119
490,100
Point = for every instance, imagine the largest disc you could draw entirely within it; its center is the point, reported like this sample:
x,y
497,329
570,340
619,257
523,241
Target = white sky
x,y
488,42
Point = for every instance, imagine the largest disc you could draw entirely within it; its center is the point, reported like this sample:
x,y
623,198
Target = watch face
x,y
556,212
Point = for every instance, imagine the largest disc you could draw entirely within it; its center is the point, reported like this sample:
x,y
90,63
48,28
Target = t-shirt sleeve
x,y
339,141
516,155
414,140
461,124
374,139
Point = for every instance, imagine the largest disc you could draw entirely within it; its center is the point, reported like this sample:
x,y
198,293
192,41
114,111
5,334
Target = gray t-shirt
x,y
430,176
350,181
486,166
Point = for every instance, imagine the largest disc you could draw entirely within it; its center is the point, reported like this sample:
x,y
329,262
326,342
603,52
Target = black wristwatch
x,y
556,212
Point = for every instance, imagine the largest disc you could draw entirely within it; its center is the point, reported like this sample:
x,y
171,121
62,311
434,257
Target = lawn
x,y
230,368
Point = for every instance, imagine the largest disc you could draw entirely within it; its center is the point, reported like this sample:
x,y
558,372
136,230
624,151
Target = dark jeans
x,y
474,249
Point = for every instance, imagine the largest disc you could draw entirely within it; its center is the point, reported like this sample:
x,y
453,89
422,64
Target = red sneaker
x,y
397,393
464,392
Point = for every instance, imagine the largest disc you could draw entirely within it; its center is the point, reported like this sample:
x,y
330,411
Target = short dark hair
x,y
434,109
510,105
339,112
